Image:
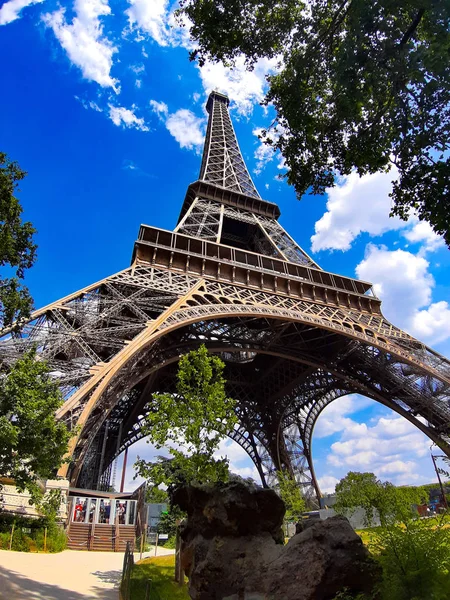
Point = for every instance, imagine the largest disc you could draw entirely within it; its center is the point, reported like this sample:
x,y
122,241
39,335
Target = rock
x,y
231,549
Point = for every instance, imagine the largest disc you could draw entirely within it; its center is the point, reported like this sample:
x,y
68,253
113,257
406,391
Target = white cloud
x,y
264,153
403,282
150,16
423,233
126,117
432,323
327,483
183,125
244,87
160,108
359,204
385,444
156,19
10,11
334,417
84,42
186,128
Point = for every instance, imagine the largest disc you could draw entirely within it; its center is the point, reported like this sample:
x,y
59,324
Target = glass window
x,y
92,507
78,509
121,509
104,511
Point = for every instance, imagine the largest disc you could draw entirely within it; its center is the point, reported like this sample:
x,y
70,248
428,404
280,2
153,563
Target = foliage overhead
x,y
364,490
17,249
32,442
195,418
360,85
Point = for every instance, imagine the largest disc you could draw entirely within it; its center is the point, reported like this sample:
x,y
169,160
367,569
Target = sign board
x,y
163,536
152,537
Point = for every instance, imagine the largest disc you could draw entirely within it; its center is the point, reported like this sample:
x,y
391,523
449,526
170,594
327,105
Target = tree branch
x,y
412,28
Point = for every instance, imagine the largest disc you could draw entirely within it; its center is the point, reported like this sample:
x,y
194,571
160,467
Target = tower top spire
x,y
222,162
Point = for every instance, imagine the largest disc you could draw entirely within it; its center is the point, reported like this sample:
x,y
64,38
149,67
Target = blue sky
x,y
102,107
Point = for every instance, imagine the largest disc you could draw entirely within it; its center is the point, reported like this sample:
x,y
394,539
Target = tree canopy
x,y
364,490
17,249
190,423
361,86
32,442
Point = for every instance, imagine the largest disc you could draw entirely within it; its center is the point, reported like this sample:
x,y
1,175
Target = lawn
x,y
161,571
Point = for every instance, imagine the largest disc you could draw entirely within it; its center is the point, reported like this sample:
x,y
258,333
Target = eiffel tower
x,y
293,336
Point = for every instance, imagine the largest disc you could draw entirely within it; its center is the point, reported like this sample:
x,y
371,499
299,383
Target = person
x,y
121,513
92,511
78,510
107,512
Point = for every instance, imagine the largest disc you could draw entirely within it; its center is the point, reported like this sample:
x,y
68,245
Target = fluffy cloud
x,y
433,323
422,233
160,108
244,87
150,16
327,483
362,205
385,444
186,128
126,117
403,282
10,11
183,125
359,204
335,417
84,41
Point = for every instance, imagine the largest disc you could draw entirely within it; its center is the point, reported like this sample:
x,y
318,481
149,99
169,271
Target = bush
x,y
56,540
29,534
415,557
171,542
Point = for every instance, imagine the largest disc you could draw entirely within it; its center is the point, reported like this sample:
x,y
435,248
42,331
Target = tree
x,y
364,490
291,496
195,418
361,86
17,249
155,495
32,442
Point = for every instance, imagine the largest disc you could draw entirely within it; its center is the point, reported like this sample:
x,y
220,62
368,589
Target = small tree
x,y
196,418
291,496
32,442
17,249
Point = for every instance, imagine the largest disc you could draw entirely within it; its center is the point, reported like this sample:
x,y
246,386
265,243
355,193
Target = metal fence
x,y
128,564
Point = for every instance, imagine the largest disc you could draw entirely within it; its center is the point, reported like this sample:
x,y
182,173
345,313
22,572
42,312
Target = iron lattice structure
x,y
293,337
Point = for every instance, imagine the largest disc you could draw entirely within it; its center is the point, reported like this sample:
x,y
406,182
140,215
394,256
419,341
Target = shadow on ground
x,y
109,576
14,586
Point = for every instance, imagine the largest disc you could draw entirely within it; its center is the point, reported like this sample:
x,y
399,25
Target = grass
x,y
160,570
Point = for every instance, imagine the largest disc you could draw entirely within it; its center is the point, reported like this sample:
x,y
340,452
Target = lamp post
x,y
433,458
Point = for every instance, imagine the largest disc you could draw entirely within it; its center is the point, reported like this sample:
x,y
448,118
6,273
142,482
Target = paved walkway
x,y
69,575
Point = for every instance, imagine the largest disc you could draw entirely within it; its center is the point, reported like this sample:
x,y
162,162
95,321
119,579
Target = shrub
x,y
415,557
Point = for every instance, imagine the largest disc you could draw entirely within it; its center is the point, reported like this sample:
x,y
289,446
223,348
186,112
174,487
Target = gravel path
x,y
69,575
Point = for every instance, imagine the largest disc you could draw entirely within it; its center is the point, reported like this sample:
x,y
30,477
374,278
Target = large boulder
x,y
231,549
